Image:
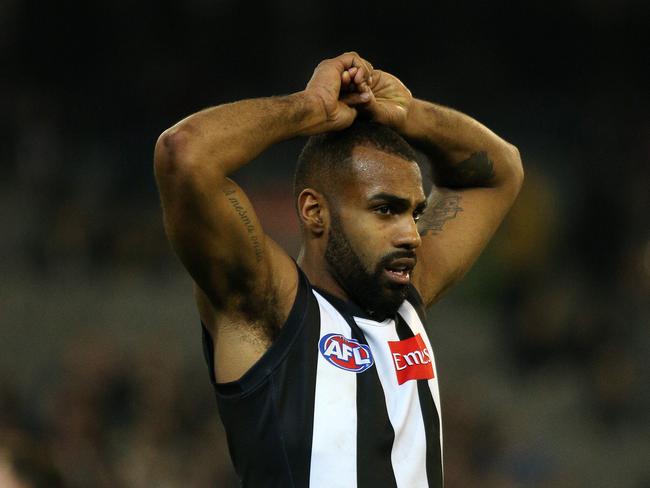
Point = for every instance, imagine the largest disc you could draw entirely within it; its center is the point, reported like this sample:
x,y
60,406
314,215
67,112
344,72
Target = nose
x,y
407,236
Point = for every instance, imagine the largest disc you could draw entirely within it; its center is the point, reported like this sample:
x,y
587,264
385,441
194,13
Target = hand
x,y
330,76
389,101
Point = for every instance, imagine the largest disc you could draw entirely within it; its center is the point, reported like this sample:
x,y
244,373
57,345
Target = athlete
x,y
323,369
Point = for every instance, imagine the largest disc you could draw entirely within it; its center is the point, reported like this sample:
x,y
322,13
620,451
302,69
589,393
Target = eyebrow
x,y
398,202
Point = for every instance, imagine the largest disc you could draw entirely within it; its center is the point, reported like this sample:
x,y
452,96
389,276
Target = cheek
x,y
370,242
369,236
376,232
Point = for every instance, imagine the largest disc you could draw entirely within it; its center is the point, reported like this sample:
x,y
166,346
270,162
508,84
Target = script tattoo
x,y
434,218
246,220
475,171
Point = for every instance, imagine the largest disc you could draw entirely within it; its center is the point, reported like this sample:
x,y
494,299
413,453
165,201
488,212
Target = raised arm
x,y
208,219
477,177
210,222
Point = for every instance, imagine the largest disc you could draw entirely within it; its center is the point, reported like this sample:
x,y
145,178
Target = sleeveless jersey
x,y
338,401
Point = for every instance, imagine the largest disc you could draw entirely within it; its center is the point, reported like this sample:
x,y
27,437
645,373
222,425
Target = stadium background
x,y
543,350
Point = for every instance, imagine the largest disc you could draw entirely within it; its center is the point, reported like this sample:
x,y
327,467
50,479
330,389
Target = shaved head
x,y
326,160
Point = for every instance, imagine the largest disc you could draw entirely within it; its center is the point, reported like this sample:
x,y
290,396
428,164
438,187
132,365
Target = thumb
x,y
356,98
344,117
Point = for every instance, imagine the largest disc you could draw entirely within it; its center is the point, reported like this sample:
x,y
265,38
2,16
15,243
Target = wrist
x,y
311,112
417,124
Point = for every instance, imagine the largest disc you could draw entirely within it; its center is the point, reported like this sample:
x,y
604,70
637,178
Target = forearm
x,y
219,140
463,152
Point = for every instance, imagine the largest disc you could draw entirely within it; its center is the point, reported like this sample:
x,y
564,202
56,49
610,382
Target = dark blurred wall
x,y
543,348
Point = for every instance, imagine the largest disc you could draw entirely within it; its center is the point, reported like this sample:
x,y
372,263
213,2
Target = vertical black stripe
x,y
432,430
403,329
430,416
294,391
268,413
375,433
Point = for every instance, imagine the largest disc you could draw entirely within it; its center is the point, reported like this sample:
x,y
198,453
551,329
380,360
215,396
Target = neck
x,y
316,269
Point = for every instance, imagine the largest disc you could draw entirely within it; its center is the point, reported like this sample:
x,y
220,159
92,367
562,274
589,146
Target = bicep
x,y
214,230
455,228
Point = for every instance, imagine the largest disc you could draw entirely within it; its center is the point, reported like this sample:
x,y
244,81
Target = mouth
x,y
399,270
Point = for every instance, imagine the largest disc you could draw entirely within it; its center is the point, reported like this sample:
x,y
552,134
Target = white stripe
x,y
408,455
334,444
413,319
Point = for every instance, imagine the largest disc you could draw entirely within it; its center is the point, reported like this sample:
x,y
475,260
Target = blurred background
x,y
542,351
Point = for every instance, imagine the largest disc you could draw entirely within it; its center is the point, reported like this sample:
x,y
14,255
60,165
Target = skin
x,y
371,223
245,284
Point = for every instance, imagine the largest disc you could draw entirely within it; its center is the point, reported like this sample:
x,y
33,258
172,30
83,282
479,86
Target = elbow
x,y
173,151
515,165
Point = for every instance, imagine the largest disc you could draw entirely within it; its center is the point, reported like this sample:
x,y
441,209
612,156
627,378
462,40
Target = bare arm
x,y
477,175
208,219
245,282
464,153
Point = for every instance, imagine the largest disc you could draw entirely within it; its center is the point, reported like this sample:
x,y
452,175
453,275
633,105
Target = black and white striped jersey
x,y
339,400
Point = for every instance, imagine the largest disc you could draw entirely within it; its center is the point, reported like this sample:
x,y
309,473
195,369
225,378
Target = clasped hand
x,y
348,84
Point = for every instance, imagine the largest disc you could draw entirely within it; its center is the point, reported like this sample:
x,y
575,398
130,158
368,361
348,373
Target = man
x,y
324,372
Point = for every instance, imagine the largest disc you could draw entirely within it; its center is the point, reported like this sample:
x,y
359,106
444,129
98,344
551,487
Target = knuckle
x,y
354,54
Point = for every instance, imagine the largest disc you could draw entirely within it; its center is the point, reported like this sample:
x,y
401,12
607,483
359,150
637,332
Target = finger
x,y
350,74
366,69
353,99
363,75
345,79
346,116
360,77
353,59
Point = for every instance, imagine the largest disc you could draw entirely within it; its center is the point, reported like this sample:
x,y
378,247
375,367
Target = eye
x,y
384,210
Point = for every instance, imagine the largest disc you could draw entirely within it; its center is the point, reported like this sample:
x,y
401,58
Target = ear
x,y
312,209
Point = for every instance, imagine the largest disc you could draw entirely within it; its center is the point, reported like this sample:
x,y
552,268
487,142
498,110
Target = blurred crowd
x,y
110,419
543,350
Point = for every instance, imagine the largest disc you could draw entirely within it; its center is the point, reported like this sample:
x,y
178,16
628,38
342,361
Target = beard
x,y
370,289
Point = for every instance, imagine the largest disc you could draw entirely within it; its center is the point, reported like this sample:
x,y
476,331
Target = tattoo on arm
x,y
246,220
434,218
475,171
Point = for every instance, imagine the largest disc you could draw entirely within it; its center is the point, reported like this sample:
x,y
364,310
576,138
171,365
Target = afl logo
x,y
345,353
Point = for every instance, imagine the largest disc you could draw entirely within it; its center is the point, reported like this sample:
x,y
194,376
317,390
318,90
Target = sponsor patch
x,y
412,359
344,353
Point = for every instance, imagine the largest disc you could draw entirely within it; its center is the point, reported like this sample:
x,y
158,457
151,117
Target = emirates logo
x,y
412,359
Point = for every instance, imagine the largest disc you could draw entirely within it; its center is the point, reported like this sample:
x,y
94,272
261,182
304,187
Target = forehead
x,y
375,171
